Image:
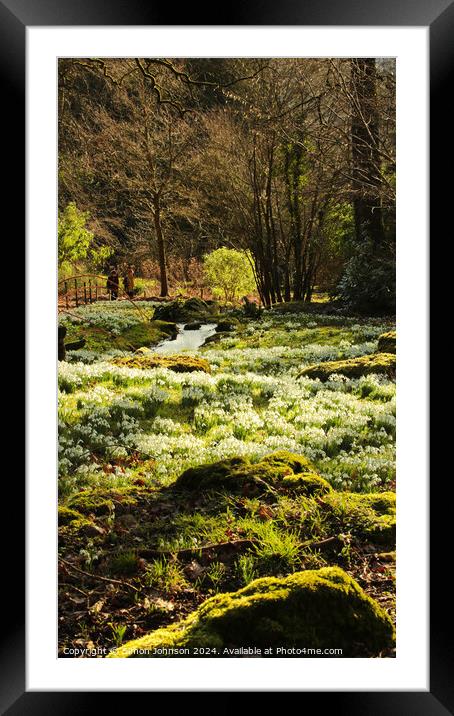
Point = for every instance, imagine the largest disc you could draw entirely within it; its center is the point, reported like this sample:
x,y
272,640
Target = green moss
x,y
169,328
181,311
316,609
226,325
387,556
307,483
100,340
147,333
216,337
66,515
369,516
383,363
177,363
279,470
103,501
297,463
78,530
387,342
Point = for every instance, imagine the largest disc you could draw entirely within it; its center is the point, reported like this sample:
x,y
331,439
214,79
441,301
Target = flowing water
x,y
186,340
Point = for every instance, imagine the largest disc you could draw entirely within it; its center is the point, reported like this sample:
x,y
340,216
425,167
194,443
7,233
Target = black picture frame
x,y
15,17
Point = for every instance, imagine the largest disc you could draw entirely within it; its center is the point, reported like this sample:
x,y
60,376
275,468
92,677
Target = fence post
x,y
77,295
66,294
90,297
96,290
85,293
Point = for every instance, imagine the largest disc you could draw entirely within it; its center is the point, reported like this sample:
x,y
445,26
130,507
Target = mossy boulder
x,y
75,527
181,311
387,342
297,463
177,363
238,474
66,515
168,328
316,609
216,337
100,501
378,363
371,516
227,325
307,483
147,333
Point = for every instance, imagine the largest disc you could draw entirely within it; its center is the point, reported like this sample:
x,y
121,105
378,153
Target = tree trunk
x,y
161,248
365,151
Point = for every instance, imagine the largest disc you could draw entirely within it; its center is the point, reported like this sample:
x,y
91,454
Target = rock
x,y
181,311
315,609
282,470
251,308
89,529
127,520
381,363
177,363
168,328
216,338
194,326
67,515
371,516
103,501
387,342
193,570
145,334
227,325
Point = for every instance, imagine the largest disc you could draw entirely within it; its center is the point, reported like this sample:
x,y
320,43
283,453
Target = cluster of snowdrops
x,y
118,423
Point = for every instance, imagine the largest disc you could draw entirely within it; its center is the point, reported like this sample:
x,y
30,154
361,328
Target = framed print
x,y
227,219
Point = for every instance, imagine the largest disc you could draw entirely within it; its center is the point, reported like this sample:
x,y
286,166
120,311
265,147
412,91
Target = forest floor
x,y
137,550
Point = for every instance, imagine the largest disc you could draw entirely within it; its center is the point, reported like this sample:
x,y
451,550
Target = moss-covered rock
x,y
387,342
227,325
297,463
145,333
315,609
101,501
76,527
307,483
380,363
67,515
238,474
181,311
216,337
177,363
371,516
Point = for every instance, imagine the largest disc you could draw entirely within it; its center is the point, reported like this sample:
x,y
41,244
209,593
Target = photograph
x,y
227,357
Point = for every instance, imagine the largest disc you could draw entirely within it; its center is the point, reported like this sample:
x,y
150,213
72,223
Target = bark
x,y
365,151
161,247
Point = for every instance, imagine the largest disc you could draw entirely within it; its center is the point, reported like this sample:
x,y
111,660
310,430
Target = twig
x,y
321,543
97,576
76,589
232,546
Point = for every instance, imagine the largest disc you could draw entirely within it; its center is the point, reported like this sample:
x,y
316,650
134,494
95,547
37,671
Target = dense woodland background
x,y
291,160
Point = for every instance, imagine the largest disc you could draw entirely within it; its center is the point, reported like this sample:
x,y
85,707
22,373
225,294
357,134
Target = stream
x,y
186,340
